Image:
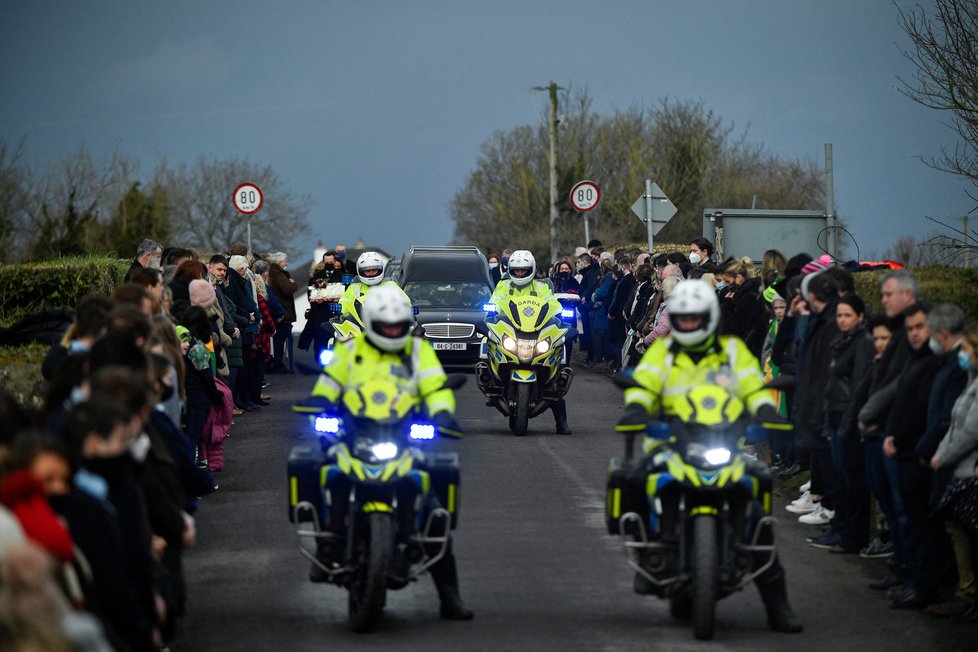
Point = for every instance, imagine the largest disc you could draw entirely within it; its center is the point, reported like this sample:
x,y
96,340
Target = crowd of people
x,y
99,487
883,406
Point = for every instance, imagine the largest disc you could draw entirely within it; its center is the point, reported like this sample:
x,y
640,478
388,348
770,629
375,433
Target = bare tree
x,y
14,197
945,52
203,214
684,147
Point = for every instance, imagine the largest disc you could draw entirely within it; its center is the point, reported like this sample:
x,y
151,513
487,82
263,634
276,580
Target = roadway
x,y
534,558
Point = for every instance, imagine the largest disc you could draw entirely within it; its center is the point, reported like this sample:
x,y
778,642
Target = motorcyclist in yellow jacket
x,y
692,355
370,274
522,281
387,349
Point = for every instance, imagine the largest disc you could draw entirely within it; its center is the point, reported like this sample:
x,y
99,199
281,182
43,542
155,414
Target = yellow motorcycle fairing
x,y
526,335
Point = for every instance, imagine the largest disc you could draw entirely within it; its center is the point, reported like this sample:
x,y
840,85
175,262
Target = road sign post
x,y
248,200
653,208
584,197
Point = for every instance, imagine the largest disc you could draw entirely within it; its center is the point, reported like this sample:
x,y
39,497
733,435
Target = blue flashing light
x,y
325,357
335,307
567,313
489,307
330,425
422,431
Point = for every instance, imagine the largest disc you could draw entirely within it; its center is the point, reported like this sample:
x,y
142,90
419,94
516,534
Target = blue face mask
x,y
341,255
721,285
964,360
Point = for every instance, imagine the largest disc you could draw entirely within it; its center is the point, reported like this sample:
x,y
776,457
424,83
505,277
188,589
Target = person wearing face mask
x,y
495,271
148,254
348,265
108,520
701,253
955,460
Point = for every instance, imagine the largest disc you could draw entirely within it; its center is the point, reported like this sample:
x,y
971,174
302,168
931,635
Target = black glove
x,y
447,425
635,419
768,417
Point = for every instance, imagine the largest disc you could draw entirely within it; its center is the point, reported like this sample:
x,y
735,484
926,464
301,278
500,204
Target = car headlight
x,y
543,346
509,343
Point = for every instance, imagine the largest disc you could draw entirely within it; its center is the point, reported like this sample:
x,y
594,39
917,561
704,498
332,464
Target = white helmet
x,y
694,298
368,262
388,317
522,268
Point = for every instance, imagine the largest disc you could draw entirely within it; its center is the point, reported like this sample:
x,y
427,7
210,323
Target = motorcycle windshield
x,y
528,314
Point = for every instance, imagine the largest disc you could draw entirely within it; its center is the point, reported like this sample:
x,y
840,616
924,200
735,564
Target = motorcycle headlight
x,y
703,455
543,346
329,425
509,343
386,450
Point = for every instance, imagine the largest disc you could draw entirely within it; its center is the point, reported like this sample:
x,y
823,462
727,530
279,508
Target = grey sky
x,y
377,109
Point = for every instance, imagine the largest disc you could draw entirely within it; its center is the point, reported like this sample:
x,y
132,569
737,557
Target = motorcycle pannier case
x,y
444,474
305,479
626,493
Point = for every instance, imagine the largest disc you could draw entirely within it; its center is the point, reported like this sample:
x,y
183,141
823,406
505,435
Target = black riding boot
x,y
445,576
774,592
560,417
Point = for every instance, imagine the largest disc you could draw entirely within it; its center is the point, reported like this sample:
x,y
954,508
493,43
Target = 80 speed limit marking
x,y
247,198
584,196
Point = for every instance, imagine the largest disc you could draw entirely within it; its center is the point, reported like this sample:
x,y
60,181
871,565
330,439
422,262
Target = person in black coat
x,y
910,479
852,358
616,310
742,306
590,278
820,292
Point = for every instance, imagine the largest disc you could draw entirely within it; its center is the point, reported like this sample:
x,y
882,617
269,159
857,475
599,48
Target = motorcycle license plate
x,y
448,346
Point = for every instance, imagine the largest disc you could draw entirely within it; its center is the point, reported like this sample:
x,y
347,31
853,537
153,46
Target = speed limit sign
x,y
247,198
585,196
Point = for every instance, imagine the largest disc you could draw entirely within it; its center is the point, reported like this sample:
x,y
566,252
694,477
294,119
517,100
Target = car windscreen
x,y
458,294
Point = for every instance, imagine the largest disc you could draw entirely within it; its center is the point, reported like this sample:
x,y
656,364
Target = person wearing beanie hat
x,y
819,264
202,294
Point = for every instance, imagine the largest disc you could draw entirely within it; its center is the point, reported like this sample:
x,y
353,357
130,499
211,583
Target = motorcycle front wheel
x,y
705,573
521,411
369,585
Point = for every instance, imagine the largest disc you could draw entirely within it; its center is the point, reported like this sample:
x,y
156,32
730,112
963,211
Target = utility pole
x,y
554,235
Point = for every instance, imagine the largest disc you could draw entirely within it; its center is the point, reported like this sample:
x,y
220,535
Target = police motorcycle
x,y
694,512
524,371
360,491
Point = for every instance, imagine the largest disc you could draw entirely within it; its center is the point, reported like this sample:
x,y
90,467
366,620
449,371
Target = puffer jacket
x,y
959,448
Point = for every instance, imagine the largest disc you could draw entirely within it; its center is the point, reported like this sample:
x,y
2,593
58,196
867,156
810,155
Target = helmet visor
x,y
520,272
688,323
393,331
370,272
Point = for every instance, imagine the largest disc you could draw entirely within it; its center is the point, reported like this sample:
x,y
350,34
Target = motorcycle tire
x,y
705,573
369,584
521,411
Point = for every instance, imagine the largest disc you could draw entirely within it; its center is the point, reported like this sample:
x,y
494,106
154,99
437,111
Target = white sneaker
x,y
804,498
820,516
805,488
803,505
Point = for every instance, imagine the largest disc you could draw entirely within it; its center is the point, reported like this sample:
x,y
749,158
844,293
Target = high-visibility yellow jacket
x,y
666,374
505,290
358,290
415,369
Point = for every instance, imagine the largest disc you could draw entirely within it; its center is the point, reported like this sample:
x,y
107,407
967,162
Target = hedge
x,y
937,285
55,284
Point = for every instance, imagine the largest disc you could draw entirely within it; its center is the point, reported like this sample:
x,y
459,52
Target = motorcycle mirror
x,y
455,381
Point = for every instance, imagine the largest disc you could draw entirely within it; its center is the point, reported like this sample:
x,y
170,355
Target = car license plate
x,y
448,346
